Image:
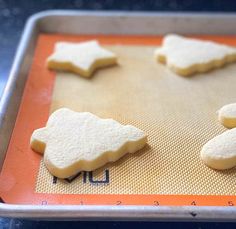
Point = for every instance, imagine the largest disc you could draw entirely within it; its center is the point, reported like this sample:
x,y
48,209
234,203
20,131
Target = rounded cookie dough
x,y
227,115
220,151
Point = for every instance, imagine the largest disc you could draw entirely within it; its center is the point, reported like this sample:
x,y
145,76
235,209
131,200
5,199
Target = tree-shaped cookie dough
x,y
81,58
73,142
187,56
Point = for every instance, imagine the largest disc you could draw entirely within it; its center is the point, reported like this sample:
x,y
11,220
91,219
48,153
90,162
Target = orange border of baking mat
x,y
21,165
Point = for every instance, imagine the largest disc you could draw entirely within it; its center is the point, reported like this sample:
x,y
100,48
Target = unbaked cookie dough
x,y
81,58
220,152
227,115
187,56
80,141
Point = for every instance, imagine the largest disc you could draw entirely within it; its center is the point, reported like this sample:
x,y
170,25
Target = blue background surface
x,y
13,15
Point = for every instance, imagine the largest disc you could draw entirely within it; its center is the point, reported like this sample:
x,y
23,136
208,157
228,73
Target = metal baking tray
x,y
122,23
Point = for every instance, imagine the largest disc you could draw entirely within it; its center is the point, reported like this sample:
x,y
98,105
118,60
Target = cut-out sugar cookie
x,y
187,56
81,58
220,152
227,115
80,141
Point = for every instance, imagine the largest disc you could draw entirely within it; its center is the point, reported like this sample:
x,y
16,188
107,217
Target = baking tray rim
x,y
95,212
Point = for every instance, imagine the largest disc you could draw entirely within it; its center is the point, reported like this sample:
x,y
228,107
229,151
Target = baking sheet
x,y
177,113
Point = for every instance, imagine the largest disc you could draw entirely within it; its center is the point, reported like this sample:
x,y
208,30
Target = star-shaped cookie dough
x,y
81,58
73,142
187,56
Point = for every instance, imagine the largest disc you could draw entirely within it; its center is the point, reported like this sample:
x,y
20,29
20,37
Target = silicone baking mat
x,y
177,113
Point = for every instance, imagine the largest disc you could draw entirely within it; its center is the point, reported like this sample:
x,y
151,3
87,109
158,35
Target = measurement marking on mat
x,y
104,181
71,179
54,181
156,203
230,203
44,202
118,202
194,203
87,177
